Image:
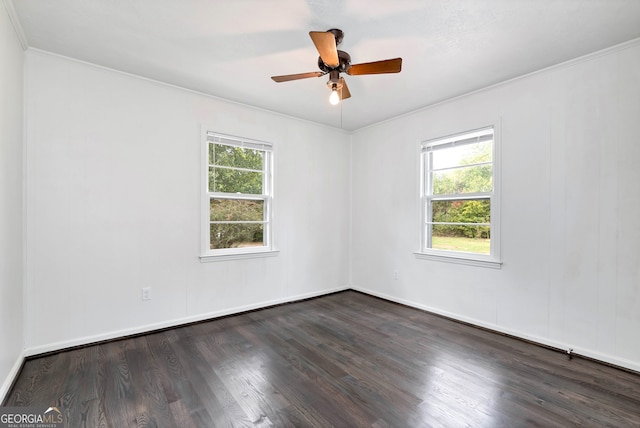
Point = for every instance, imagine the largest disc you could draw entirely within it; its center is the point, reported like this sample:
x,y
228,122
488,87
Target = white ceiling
x,y
231,48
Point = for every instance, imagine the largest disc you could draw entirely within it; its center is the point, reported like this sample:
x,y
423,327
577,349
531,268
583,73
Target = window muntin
x,y
458,196
239,192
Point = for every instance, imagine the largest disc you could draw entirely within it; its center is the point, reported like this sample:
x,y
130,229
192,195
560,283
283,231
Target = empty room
x,y
316,213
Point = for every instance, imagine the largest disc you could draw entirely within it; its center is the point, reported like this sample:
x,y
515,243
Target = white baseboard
x,y
53,347
112,335
620,362
11,377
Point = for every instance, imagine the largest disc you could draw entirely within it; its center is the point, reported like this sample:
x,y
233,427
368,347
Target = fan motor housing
x,y
344,59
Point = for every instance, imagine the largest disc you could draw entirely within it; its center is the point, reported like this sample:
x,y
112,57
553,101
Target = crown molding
x,y
17,27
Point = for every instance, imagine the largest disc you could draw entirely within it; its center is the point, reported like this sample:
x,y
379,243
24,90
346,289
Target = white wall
x,y
113,205
113,182
570,208
11,212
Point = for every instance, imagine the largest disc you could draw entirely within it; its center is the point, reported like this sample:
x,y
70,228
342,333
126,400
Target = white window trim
x,y
494,260
223,254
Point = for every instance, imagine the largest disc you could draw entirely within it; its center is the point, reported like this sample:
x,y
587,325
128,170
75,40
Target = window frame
x,y
492,260
266,250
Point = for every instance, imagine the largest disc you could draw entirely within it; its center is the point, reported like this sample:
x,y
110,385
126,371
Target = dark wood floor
x,y
343,360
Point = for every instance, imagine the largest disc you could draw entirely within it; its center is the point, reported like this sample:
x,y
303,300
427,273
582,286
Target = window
x,y
460,199
237,206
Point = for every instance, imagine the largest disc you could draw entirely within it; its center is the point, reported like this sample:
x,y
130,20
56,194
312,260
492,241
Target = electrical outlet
x,y
146,293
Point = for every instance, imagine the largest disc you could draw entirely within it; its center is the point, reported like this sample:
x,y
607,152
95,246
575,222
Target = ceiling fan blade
x,y
344,92
326,45
376,67
288,77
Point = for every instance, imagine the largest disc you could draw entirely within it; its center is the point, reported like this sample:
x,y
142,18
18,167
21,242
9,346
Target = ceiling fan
x,y
333,61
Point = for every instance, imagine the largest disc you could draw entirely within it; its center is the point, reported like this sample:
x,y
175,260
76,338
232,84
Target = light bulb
x,y
334,98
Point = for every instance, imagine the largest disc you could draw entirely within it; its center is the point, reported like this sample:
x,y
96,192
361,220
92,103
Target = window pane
x,y
235,181
461,211
454,167
236,157
470,179
236,210
224,235
462,155
469,239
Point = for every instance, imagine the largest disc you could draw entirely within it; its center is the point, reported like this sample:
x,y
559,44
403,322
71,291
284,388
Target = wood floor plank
x,y
79,390
321,391
153,408
346,359
201,389
119,399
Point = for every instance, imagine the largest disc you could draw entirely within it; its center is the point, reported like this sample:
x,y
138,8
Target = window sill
x,y
461,259
206,258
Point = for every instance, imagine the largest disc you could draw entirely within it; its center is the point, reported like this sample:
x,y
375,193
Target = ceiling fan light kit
x,y
333,61
334,98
